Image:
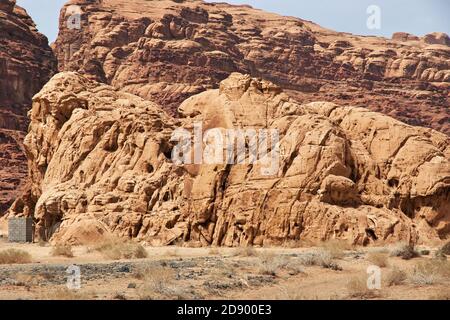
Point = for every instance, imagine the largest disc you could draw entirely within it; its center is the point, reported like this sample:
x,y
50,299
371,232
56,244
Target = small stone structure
x,y
20,229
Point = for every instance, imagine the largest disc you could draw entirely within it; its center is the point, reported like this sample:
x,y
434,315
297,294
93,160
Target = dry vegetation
x,y
117,250
63,251
430,272
14,256
269,263
395,277
446,248
159,283
319,257
358,289
216,273
405,251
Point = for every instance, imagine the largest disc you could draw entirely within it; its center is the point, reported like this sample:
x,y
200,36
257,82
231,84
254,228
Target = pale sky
x,y
418,17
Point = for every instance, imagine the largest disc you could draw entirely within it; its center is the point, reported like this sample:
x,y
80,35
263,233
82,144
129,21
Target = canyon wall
x,y
101,138
166,51
26,64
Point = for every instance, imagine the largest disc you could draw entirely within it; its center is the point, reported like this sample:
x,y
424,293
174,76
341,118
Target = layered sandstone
x,y
166,51
101,163
26,64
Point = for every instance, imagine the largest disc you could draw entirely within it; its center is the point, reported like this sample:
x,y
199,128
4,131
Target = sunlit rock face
x,y
101,163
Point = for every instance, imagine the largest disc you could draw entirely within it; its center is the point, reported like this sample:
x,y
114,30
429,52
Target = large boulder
x,y
98,154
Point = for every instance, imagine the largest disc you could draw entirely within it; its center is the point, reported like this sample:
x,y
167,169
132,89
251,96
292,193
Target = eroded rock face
x,y
100,163
26,63
166,51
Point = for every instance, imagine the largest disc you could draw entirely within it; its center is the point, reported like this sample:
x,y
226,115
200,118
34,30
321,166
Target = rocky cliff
x,y
166,51
101,141
26,64
101,163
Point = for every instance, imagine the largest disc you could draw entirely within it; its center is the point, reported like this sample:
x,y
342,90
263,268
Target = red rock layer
x,y
166,51
26,64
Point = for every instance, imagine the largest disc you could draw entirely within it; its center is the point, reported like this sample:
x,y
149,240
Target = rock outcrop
x,y
26,64
101,162
166,51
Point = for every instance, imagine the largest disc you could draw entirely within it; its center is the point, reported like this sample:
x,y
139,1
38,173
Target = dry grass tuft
x,y
269,263
404,251
378,259
245,252
395,277
321,258
14,256
430,272
358,289
116,250
62,250
445,249
159,283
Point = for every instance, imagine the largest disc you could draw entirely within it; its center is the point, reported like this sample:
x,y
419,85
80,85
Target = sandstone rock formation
x,y
101,163
166,51
26,64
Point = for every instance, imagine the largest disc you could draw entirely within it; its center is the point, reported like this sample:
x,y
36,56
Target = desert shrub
x,y
269,263
14,256
26,280
446,248
378,259
439,255
358,289
429,272
119,296
395,277
245,252
116,250
420,278
160,283
294,268
157,279
321,258
404,251
62,250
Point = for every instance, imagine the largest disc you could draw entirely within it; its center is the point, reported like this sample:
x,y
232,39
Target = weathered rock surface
x,y
100,163
166,51
26,64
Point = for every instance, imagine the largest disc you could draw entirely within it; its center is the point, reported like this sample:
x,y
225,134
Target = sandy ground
x,y
210,273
